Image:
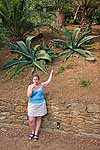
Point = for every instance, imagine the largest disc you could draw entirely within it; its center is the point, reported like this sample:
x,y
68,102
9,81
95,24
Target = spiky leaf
x,y
43,55
40,66
60,42
84,40
75,36
14,62
68,35
28,42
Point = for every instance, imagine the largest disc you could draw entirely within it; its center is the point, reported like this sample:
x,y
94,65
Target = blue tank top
x,y
37,96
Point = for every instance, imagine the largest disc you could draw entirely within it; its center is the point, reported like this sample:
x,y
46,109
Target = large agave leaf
x,y
40,66
70,53
61,53
37,47
14,62
17,49
43,55
68,35
22,46
83,52
85,39
14,46
75,36
85,33
60,42
52,54
15,70
28,42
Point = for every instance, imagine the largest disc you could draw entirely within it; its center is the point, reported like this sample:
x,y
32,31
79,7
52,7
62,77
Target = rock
x,y
68,105
22,117
91,59
5,113
93,108
20,109
75,113
78,107
3,117
3,129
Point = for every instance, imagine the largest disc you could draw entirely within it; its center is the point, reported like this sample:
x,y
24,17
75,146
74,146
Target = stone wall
x,y
69,117
74,117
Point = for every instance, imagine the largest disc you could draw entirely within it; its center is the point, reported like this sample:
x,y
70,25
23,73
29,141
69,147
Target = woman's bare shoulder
x,y
31,86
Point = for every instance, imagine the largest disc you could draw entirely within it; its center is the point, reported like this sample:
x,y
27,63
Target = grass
x,y
61,69
69,66
84,83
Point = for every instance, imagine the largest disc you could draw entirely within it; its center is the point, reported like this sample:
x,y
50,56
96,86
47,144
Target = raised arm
x,y
49,79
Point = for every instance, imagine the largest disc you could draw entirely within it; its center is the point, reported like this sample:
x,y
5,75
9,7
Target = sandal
x,y
31,136
36,137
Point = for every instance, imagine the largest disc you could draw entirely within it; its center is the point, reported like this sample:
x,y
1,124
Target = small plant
x,y
69,66
84,83
61,69
75,43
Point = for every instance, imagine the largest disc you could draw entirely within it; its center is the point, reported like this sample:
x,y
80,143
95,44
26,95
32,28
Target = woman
x,y
36,104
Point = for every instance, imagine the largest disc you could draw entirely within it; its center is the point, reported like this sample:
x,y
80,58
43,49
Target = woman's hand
x,y
49,79
29,90
52,71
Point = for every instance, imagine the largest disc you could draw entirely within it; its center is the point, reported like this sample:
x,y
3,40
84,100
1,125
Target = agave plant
x,y
75,43
48,50
28,56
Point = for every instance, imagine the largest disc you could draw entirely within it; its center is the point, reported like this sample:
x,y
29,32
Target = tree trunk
x,y
60,19
86,24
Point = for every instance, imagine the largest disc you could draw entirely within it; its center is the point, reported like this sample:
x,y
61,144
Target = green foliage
x,y
69,66
3,35
75,43
48,50
61,69
27,56
96,17
86,12
84,83
45,10
14,17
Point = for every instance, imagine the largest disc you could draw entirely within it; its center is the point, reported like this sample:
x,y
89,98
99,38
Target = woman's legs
x,y
32,123
35,124
38,125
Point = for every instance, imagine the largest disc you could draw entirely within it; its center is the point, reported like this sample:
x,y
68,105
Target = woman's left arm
x,y
49,79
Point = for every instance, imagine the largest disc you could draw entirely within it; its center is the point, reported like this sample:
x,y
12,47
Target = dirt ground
x,y
74,71
16,138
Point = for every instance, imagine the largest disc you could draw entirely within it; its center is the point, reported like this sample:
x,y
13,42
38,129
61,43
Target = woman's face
x,y
36,80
